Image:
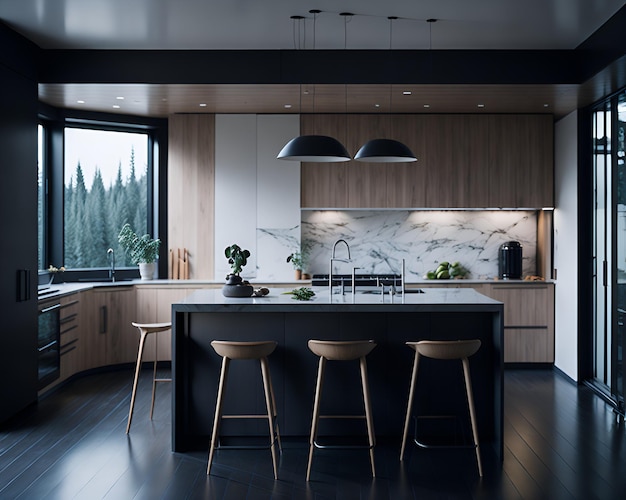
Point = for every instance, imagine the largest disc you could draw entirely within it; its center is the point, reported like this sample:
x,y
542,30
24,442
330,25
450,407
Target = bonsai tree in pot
x,y
142,250
235,286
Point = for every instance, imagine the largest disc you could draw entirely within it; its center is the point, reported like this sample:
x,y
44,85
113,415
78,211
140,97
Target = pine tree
x,y
97,223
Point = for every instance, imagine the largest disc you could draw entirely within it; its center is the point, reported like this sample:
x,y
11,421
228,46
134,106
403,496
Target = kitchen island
x,y
437,314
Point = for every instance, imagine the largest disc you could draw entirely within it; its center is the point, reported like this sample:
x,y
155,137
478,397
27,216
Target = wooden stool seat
x,y
146,329
445,350
244,350
341,351
256,350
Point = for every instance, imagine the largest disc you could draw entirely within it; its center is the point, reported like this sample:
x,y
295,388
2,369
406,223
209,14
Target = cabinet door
x,y
114,312
72,352
324,184
94,316
521,164
154,305
528,321
525,305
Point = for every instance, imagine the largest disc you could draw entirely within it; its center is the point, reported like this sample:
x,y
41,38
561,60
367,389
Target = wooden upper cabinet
x,y
463,161
521,161
324,185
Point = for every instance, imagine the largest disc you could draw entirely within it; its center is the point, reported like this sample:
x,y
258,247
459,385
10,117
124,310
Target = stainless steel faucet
x,y
330,271
335,247
111,256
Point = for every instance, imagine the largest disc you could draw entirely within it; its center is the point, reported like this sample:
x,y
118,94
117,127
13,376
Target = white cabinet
x,y
257,196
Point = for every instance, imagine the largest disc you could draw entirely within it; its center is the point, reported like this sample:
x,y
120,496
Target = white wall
x,y
566,244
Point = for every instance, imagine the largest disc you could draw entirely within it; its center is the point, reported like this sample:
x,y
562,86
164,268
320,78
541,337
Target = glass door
x,y
601,222
609,279
619,267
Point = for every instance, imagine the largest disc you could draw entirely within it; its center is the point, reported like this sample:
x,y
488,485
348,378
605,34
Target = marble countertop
x,y
434,299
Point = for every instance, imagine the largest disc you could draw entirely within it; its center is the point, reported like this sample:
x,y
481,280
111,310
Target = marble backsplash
x,y
379,240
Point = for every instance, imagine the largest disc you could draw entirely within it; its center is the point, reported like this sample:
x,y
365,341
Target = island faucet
x,y
111,257
335,247
330,271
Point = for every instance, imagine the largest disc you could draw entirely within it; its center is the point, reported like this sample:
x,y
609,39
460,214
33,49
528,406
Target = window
x,y
105,186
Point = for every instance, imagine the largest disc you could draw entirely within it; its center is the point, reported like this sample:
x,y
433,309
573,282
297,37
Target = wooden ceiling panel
x,y
164,100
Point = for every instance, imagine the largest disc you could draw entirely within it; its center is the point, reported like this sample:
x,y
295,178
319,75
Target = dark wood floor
x,y
561,441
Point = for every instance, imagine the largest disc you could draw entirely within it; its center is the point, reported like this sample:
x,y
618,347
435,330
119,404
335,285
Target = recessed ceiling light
x,y
80,101
546,105
287,106
427,105
407,92
377,105
481,105
115,106
119,98
203,104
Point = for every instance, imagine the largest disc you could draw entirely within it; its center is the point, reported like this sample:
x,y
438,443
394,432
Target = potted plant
x,y
142,250
296,261
235,286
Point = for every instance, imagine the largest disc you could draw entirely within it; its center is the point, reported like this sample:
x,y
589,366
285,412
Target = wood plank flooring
x,y
561,442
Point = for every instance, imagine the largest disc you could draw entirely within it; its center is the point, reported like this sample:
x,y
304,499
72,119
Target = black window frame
x,y
55,121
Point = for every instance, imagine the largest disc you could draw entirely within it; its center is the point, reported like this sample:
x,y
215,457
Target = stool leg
x,y
275,413
368,411
154,372
218,411
316,414
142,340
409,404
270,411
470,400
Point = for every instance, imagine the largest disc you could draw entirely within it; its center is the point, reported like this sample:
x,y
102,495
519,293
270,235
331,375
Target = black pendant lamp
x,y
384,151
314,148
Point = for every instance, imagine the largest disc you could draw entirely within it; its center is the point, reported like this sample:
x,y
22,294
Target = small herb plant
x,y
302,293
296,260
142,249
237,258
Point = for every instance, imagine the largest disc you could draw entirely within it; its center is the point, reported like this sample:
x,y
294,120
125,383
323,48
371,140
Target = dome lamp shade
x,y
384,151
314,148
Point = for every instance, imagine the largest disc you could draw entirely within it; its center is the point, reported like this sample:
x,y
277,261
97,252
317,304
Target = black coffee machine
x,y
510,261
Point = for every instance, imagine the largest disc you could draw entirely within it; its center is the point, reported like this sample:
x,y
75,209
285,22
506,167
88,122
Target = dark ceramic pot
x,y
241,290
236,287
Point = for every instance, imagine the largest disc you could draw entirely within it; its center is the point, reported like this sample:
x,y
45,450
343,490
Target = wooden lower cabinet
x,y
111,338
528,320
72,351
154,305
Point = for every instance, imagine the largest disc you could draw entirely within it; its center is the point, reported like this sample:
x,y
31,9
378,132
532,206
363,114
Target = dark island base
x,y
196,370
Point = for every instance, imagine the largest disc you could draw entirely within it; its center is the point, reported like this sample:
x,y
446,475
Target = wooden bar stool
x,y
341,351
444,350
146,329
260,350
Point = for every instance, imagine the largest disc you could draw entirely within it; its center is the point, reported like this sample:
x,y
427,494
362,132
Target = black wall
x,y
18,223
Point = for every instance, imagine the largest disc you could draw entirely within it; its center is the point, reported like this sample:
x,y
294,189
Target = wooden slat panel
x,y
191,187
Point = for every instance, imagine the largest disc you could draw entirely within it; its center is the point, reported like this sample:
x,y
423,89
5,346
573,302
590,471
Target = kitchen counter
x,y
441,313
61,289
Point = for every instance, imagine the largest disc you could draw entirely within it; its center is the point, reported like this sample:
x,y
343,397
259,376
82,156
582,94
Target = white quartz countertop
x,y
61,289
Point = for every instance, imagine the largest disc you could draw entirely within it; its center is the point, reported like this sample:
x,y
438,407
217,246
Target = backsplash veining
x,y
379,240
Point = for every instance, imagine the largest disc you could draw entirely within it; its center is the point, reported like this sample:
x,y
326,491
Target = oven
x,y
48,343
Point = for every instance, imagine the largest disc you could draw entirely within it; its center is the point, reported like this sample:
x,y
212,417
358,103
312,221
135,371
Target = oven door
x,y
48,340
